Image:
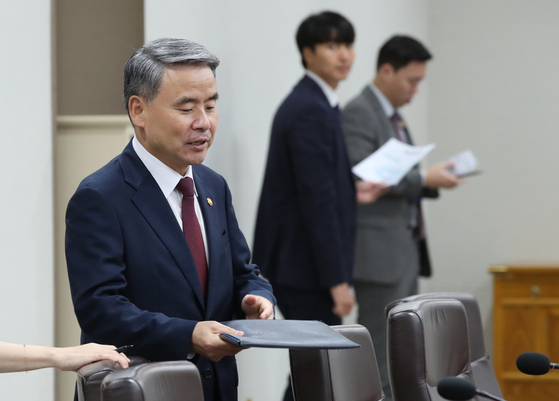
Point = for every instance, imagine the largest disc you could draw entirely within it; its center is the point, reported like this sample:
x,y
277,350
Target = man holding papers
x,y
391,250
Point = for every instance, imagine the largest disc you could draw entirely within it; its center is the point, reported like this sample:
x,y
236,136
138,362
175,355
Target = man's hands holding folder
x,y
205,337
206,341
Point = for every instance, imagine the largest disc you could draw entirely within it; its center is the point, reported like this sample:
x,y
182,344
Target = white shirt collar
x,y
384,102
329,92
165,176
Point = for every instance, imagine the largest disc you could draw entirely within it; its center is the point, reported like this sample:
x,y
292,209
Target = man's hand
x,y
368,192
257,307
206,341
343,300
439,176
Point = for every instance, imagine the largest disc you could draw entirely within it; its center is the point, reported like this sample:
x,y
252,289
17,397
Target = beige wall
x,y
82,145
94,39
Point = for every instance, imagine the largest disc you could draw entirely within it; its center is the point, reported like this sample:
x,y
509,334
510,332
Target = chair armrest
x,y
154,381
90,377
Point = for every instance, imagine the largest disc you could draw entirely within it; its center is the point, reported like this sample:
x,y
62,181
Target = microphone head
x,y
456,389
533,363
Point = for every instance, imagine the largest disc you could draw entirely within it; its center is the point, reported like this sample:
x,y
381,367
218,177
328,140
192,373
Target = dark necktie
x,y
417,218
192,232
398,125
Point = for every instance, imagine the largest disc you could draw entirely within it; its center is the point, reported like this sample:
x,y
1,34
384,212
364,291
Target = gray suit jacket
x,y
385,248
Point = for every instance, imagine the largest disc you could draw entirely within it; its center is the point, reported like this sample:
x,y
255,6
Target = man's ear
x,y
308,54
386,70
136,108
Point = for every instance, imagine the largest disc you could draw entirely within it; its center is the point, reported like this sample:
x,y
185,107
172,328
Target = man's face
x,y
401,85
179,124
331,61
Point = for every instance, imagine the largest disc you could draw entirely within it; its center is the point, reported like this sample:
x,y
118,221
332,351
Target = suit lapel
x,y
154,207
387,131
336,117
213,235
309,85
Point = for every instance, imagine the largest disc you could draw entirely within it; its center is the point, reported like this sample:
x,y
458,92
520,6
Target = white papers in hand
x,y
464,163
391,162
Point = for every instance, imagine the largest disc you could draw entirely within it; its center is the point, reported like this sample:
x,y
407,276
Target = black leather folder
x,y
286,334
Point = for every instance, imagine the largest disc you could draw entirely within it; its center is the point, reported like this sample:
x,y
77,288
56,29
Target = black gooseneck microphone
x,y
458,389
534,363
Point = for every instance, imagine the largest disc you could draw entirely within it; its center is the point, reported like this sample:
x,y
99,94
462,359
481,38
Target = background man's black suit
x,y
305,229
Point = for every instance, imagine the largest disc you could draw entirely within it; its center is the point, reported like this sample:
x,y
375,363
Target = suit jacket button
x,y
208,373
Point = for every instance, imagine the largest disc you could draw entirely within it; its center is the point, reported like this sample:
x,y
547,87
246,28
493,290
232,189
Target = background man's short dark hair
x,y
401,50
327,26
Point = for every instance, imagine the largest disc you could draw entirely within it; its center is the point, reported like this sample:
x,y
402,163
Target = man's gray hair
x,y
144,70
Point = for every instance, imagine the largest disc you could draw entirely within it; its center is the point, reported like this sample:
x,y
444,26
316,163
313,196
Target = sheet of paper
x,y
391,162
464,163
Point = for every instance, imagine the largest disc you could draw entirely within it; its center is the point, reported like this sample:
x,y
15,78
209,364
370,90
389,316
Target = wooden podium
x,y
525,319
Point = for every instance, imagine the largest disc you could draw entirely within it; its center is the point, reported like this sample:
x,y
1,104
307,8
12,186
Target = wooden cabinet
x,y
525,319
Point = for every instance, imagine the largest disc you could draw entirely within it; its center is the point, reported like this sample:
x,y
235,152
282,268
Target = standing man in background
x,y
305,228
154,252
391,247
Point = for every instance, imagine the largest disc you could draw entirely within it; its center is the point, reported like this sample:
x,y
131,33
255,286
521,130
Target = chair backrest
x,y
483,373
90,377
337,374
154,381
427,341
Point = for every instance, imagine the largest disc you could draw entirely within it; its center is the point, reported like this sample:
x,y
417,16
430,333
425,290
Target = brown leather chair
x,y
155,381
90,376
427,341
142,381
337,374
483,373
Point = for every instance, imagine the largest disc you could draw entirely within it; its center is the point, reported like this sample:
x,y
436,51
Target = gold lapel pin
x,y
210,202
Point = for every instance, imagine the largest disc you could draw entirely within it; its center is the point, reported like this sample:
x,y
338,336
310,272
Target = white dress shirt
x,y
389,110
167,179
330,93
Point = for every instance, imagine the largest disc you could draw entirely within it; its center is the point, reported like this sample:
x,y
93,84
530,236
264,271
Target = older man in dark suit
x,y
305,229
155,256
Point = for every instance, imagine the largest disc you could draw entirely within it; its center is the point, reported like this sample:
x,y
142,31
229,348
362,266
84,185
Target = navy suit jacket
x,y
132,276
305,229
